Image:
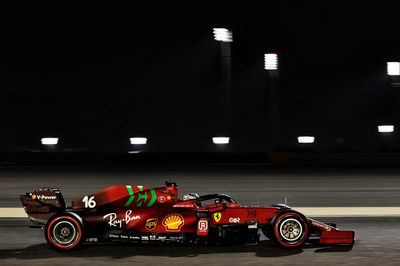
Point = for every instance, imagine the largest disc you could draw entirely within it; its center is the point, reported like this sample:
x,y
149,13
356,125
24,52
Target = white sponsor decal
x,y
113,221
43,197
321,225
203,226
234,220
183,206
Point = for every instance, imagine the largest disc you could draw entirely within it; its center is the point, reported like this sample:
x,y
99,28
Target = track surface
x,y
377,244
248,185
377,238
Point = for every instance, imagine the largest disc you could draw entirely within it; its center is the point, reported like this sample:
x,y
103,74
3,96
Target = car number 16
x,y
89,202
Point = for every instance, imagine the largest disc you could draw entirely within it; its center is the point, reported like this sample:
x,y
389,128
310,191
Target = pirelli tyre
x,y
290,230
64,232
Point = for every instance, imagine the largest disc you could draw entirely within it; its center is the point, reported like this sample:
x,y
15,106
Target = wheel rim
x,y
291,229
64,233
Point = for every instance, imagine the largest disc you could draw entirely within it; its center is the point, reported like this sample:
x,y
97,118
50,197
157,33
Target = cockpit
x,y
210,200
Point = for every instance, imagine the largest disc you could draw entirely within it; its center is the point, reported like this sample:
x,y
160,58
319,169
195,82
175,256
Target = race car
x,y
145,215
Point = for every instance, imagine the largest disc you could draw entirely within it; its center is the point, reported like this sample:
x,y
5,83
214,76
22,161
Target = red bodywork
x,y
146,211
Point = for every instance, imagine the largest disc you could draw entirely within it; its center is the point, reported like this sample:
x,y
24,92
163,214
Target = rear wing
x,y
43,203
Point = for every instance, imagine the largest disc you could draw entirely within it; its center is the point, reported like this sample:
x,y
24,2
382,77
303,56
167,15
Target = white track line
x,y
308,211
12,213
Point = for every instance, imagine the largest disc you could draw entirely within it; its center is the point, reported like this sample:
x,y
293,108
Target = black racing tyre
x,y
290,230
64,232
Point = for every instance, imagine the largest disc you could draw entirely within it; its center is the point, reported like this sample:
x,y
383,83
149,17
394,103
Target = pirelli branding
x,y
321,225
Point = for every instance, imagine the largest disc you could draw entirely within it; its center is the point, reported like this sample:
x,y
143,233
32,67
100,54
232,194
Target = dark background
x,y
95,76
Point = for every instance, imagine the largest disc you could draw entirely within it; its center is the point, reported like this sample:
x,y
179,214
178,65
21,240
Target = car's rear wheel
x,y
290,230
64,232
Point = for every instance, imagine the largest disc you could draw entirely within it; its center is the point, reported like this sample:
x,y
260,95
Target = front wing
x,y
332,235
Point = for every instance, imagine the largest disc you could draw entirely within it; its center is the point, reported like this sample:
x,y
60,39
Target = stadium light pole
x,y
271,65
393,71
220,140
225,38
49,143
138,140
386,128
305,139
138,143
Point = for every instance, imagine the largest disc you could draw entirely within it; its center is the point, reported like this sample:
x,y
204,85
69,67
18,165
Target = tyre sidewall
x,y
56,220
277,234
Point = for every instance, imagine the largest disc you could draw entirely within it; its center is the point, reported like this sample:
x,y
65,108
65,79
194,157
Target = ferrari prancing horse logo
x,y
217,216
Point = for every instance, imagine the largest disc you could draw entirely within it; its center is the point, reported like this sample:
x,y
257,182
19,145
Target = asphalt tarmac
x,y
377,243
377,238
315,187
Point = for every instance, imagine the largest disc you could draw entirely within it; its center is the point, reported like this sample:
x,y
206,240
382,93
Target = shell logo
x,y
173,222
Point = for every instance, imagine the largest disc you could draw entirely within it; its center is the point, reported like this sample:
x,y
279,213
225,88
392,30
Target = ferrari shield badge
x,y
217,216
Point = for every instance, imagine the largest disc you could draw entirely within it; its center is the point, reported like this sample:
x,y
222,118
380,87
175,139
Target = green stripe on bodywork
x,y
153,198
140,196
131,196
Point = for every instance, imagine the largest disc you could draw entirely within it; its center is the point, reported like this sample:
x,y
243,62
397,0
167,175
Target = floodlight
x,y
271,61
386,128
222,34
138,141
305,139
393,68
49,141
220,140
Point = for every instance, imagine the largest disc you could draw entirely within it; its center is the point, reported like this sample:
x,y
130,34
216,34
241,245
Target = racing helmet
x,y
190,196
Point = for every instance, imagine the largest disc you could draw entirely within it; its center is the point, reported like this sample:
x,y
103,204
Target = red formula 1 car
x,y
141,214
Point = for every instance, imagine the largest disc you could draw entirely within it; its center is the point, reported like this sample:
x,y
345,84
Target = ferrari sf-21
x,y
145,215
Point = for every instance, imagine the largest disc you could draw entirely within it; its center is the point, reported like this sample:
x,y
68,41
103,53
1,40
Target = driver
x,y
190,196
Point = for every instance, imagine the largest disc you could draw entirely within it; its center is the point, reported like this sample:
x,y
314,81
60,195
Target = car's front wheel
x,y
64,232
290,230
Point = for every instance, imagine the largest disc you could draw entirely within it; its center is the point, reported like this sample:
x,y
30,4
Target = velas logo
x,y
161,199
173,222
151,223
217,217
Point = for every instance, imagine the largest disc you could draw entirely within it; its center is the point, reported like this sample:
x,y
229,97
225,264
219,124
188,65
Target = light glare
x,y
49,141
220,140
305,139
393,68
222,34
385,128
271,61
138,141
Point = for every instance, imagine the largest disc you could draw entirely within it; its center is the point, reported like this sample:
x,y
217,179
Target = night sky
x,y
96,76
